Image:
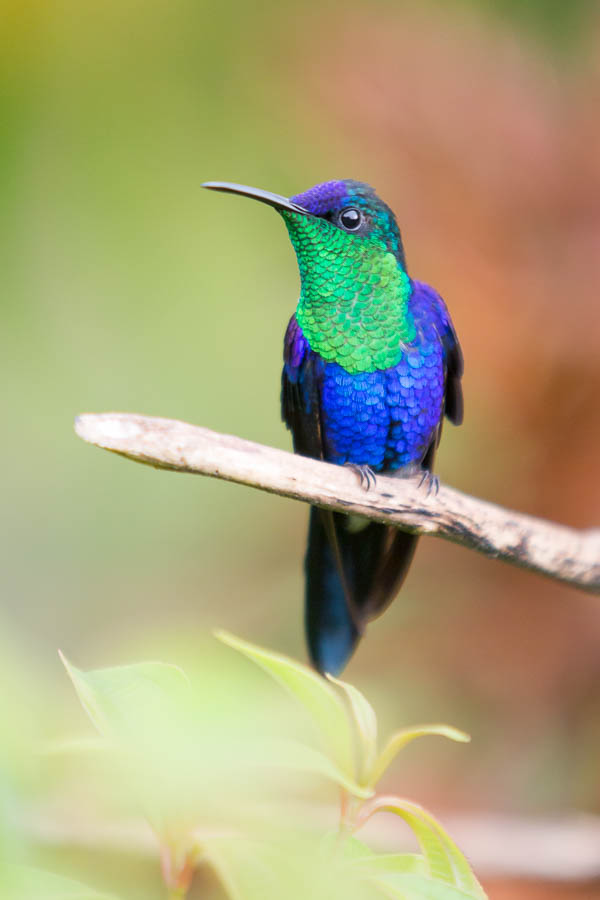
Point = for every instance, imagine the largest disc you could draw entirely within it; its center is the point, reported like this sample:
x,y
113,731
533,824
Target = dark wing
x,y
301,392
453,404
428,300
430,310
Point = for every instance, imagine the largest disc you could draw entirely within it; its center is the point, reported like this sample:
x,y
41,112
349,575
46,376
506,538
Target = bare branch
x,y
562,553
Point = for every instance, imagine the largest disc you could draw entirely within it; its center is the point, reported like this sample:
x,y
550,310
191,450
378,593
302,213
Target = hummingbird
x,y
372,365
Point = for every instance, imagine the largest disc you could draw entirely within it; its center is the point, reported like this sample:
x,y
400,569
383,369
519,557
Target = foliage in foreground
x,y
221,789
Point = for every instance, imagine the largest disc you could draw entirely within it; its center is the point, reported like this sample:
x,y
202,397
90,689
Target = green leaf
x,y
400,739
353,849
416,886
365,722
24,883
346,847
464,876
390,863
444,860
313,691
300,757
123,700
143,713
293,866
438,863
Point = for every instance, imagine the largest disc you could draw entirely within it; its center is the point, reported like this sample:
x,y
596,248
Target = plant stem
x,y
178,874
177,893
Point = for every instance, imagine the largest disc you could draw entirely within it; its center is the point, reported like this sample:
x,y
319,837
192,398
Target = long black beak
x,y
264,196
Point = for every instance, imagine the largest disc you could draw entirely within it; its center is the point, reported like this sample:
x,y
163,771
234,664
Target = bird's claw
x,y
431,481
365,473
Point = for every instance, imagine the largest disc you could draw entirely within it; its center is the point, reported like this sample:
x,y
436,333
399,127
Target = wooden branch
x,y
562,553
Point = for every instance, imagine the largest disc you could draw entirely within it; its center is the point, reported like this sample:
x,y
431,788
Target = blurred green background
x,y
127,287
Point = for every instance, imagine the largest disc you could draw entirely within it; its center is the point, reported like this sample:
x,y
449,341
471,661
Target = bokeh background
x,y
126,287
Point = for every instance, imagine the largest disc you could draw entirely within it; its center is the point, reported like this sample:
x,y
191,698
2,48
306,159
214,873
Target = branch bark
x,y
564,554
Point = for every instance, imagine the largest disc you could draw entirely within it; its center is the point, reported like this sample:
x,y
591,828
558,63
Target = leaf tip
x,y
230,640
65,663
222,635
461,737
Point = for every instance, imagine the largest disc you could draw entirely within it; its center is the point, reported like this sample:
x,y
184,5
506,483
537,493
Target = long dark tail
x,y
354,569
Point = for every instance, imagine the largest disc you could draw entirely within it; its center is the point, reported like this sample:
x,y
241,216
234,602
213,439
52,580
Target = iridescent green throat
x,y
353,307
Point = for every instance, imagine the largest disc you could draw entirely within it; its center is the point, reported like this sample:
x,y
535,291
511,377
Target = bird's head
x,y
353,307
335,220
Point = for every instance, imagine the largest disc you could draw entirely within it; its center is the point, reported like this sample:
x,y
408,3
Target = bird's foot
x,y
365,473
431,482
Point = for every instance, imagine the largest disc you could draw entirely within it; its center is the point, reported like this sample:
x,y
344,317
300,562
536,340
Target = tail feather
x,y
331,630
373,559
395,551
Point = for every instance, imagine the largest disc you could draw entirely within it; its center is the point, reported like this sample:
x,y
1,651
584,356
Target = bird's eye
x,y
351,218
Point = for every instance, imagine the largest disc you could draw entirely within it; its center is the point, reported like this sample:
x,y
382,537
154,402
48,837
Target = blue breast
x,y
384,419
